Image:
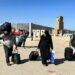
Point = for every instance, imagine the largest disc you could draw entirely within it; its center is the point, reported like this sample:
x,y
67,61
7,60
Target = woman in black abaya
x,y
45,45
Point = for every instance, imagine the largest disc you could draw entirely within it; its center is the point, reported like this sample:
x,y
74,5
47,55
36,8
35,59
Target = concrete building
x,y
59,26
30,27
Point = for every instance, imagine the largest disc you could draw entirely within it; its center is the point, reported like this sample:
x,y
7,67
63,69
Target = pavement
x,y
27,67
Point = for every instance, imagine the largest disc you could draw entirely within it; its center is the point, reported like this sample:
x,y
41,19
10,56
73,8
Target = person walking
x,y
22,39
25,35
45,45
31,36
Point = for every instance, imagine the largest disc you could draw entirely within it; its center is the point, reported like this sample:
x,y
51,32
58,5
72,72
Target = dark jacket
x,y
44,45
45,42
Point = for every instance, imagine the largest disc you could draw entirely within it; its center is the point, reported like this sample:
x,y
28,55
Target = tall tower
x,y
59,26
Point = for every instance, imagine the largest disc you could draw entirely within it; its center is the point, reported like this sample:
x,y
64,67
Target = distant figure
x,y
32,36
45,45
8,42
25,35
22,39
13,30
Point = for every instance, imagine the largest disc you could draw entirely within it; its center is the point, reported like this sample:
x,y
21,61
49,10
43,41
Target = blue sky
x,y
38,11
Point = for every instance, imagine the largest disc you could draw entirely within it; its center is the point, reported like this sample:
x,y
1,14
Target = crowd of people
x,y
9,38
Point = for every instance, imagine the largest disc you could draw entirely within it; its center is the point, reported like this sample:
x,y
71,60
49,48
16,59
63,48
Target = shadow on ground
x,y
30,46
37,59
27,60
24,61
59,61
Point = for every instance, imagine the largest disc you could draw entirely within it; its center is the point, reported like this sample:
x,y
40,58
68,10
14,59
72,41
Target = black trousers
x,y
45,55
8,53
23,42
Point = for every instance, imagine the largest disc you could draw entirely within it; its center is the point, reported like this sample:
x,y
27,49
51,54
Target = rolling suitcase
x,y
68,53
33,55
74,56
16,58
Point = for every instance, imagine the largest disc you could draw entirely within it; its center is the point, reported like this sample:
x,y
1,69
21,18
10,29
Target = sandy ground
x,y
60,67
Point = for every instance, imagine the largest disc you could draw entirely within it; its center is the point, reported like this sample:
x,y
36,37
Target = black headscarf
x,y
47,33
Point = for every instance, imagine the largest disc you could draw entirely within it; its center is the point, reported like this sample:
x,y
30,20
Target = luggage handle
x,y
37,50
15,51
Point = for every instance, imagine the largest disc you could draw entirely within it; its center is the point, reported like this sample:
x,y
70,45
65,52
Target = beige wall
x,y
37,34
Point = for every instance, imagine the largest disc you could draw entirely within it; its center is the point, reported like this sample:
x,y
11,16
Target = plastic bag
x,y
52,55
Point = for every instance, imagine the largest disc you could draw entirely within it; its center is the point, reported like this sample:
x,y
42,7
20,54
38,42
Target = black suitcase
x,y
33,55
16,58
68,53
